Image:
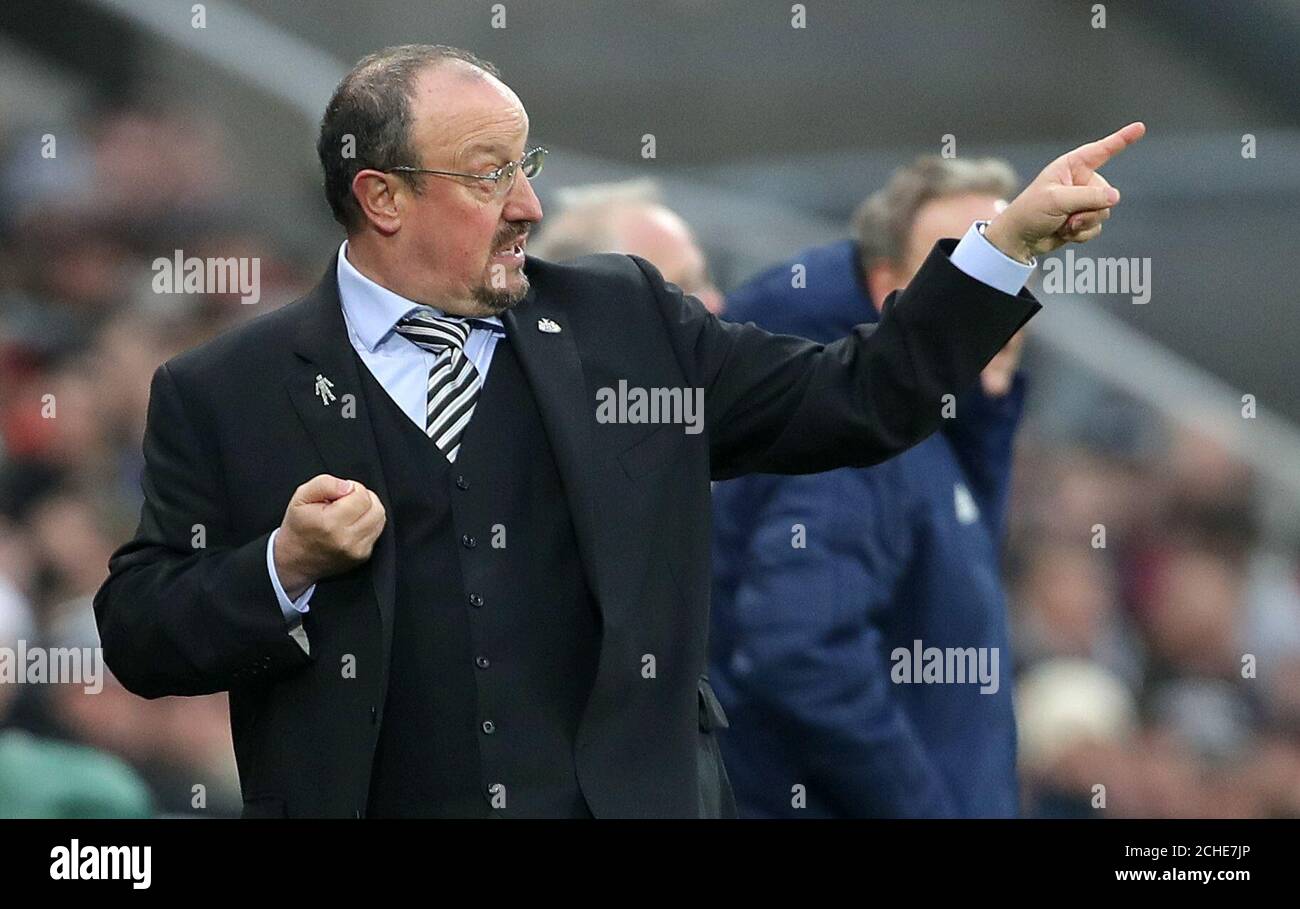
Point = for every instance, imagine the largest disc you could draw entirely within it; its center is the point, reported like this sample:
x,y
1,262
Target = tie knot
x,y
436,333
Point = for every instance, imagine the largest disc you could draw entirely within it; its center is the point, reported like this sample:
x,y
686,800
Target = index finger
x,y
1095,154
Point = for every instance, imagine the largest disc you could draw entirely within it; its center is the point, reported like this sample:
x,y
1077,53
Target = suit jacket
x,y
234,427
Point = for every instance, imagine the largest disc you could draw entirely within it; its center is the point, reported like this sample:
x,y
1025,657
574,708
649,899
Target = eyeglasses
x,y
503,177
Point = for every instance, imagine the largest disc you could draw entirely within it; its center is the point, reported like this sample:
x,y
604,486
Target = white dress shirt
x,y
402,367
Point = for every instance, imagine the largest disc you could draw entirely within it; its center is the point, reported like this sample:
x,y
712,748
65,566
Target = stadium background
x,y
1128,659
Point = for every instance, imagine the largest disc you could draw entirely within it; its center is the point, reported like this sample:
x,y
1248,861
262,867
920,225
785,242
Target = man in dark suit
x,y
487,595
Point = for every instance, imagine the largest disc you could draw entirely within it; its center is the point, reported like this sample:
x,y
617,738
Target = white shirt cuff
x,y
293,609
984,262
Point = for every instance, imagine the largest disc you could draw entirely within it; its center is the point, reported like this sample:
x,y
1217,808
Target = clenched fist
x,y
330,526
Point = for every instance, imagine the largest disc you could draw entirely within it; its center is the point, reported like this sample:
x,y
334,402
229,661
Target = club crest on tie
x,y
323,386
548,326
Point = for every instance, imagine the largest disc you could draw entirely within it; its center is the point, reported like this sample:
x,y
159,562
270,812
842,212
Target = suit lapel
x,y
341,429
550,361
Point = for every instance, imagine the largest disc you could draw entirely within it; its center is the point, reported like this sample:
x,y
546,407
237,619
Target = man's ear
x,y
376,194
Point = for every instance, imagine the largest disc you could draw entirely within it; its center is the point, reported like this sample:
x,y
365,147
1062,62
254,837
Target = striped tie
x,y
454,382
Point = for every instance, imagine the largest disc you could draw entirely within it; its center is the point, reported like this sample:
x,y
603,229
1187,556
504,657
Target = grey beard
x,y
495,300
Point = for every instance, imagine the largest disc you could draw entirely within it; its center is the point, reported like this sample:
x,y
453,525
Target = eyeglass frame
x,y
505,171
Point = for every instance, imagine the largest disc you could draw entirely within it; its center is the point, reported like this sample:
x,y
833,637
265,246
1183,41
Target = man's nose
x,y
522,203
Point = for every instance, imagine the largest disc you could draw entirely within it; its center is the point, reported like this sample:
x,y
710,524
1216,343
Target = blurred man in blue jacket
x,y
859,636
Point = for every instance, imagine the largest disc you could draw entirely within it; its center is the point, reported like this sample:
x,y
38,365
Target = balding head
x,y
369,120
629,218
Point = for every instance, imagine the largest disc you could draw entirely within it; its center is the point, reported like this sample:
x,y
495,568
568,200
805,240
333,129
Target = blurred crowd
x,y
1156,619
81,333
1156,624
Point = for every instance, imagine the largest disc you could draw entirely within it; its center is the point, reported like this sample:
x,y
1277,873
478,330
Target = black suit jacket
x,y
234,426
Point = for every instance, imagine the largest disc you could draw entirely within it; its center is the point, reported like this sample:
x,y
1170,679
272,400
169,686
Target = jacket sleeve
x,y
187,608
781,404
806,624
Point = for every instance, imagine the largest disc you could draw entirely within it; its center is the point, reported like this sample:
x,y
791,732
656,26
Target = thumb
x,y
322,488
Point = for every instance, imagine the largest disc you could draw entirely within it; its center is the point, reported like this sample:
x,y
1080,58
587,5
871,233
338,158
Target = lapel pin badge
x,y
323,386
548,326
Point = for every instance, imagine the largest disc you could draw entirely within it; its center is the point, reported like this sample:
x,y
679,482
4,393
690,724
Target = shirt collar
x,y
372,309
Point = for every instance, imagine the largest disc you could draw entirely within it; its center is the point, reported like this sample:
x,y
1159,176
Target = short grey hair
x,y
372,105
883,223
588,214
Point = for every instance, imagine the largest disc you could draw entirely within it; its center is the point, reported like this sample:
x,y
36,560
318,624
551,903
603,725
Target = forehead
x,y
461,111
944,211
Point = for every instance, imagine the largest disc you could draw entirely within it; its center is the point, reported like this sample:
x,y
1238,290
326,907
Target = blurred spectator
x,y
628,218
902,556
